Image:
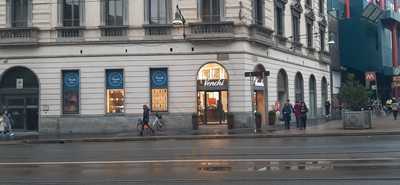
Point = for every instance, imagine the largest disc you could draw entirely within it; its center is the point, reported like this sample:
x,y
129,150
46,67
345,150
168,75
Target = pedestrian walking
x,y
327,108
287,113
297,113
2,124
395,109
9,121
220,112
303,115
145,119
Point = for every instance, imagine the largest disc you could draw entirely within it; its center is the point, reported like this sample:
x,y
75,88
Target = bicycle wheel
x,y
160,126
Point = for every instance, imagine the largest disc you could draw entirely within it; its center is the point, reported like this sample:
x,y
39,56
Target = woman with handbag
x,y
303,115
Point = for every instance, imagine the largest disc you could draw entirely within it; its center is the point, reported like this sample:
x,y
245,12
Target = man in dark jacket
x,y
287,113
146,118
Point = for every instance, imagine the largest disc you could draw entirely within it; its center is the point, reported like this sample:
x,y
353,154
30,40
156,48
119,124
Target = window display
x,y
159,89
115,91
70,92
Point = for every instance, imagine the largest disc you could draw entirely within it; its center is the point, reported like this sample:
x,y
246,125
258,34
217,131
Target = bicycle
x,y
158,124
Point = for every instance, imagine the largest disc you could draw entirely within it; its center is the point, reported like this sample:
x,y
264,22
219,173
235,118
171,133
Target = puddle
x,y
215,167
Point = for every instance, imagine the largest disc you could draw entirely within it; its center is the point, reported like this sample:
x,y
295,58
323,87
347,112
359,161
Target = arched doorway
x,y
259,92
313,96
299,87
19,94
282,85
212,94
324,93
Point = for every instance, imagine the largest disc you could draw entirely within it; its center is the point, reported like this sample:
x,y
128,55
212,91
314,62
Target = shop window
x,y
71,84
115,91
159,89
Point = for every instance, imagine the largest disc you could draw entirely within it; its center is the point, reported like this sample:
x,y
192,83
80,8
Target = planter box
x,y
357,119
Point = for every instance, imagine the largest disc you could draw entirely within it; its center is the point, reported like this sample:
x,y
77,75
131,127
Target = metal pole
x,y
265,78
251,100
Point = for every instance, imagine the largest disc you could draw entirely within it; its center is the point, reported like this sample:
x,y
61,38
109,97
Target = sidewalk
x,y
380,126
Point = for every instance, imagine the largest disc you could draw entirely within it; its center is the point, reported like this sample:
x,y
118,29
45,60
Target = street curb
x,y
194,137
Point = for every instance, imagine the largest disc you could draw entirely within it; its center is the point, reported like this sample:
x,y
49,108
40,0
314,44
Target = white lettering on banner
x,y
208,83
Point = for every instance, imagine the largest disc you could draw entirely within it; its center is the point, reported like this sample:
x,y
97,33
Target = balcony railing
x,y
70,33
157,29
18,36
324,56
211,31
114,32
260,34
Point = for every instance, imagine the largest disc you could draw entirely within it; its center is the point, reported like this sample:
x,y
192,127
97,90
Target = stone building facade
x,y
88,66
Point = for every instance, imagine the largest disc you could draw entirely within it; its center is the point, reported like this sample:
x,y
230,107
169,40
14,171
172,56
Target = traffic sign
x,y
370,76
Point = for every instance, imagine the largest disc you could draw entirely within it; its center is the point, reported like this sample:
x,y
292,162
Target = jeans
x,y
298,121
303,121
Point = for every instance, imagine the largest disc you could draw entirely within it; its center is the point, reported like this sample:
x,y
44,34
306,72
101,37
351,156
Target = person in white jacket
x,y
2,124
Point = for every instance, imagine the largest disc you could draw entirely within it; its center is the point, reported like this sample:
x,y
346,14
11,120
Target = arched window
x,y
212,93
313,97
299,87
282,86
19,94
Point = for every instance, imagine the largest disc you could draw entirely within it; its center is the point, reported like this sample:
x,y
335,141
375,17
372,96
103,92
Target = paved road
x,y
297,161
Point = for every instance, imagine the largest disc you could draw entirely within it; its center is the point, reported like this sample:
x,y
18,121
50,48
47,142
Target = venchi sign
x,y
212,85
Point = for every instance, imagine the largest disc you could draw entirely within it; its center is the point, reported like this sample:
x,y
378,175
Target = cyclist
x,y
146,117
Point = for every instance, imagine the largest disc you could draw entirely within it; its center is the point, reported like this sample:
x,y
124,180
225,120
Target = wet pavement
x,y
277,161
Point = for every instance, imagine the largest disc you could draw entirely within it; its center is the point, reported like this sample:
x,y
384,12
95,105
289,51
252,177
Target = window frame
x,y
321,6
151,87
103,13
10,22
296,28
259,10
106,88
148,15
61,12
322,38
62,92
221,11
280,18
310,34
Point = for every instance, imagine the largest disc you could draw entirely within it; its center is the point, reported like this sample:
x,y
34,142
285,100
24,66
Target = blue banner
x,y
115,79
159,78
71,80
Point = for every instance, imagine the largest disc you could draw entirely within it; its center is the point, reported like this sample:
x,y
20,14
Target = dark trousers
x,y
298,122
303,121
395,112
287,121
147,124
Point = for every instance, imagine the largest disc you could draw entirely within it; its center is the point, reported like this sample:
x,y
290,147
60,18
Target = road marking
x,y
195,161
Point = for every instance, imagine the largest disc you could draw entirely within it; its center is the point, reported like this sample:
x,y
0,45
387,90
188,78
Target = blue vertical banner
x,y
159,89
159,78
71,85
115,79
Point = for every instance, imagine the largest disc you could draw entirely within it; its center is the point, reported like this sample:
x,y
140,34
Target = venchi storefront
x,y
212,94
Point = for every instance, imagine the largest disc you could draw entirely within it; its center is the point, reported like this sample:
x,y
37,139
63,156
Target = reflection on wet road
x,y
297,161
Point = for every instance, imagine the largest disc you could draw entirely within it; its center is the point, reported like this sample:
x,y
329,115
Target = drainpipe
x,y
347,3
395,53
395,5
394,45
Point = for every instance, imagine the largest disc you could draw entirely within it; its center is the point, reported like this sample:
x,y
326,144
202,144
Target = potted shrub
x,y
230,120
258,120
195,124
354,97
271,117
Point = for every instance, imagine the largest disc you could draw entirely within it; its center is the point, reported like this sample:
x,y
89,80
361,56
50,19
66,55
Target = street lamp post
x,y
180,20
253,75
